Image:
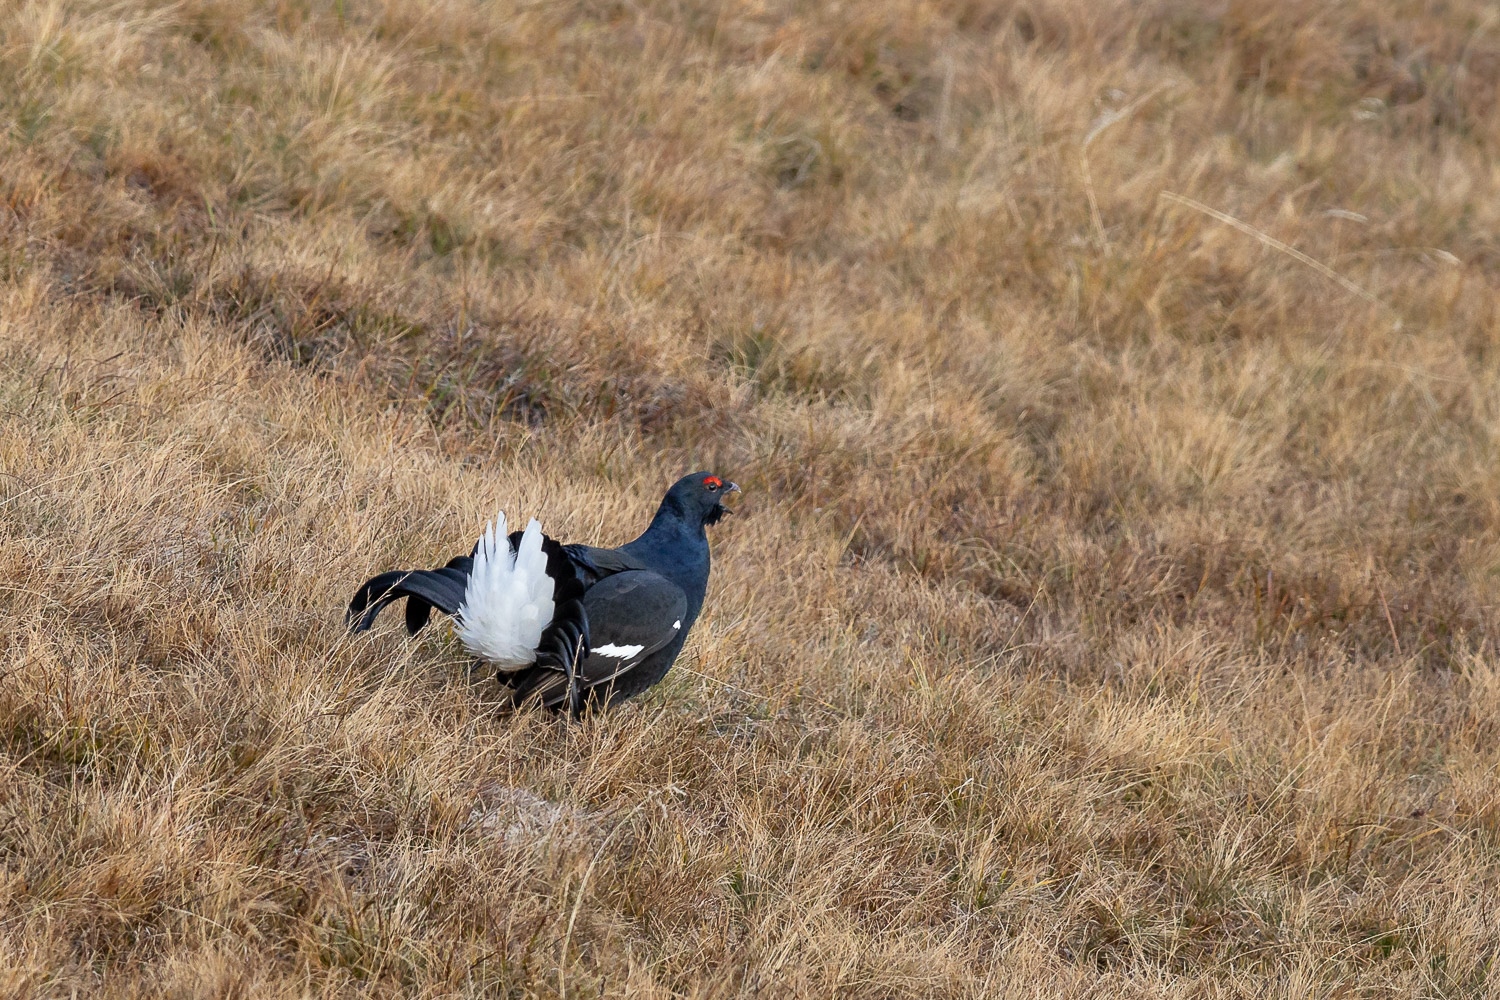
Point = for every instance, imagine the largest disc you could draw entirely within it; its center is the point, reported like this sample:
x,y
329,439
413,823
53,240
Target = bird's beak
x,y
719,509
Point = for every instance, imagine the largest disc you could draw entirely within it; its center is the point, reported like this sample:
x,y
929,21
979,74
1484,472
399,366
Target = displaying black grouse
x,y
569,625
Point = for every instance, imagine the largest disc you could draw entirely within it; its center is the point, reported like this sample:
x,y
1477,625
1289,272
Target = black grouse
x,y
569,625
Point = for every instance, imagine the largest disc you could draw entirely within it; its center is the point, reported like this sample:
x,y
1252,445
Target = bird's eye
x,y
712,484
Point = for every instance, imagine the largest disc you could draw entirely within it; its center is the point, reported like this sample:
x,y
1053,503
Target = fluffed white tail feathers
x,y
508,601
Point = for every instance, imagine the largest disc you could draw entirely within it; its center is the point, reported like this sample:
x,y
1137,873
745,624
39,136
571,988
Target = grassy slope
x,y
1109,606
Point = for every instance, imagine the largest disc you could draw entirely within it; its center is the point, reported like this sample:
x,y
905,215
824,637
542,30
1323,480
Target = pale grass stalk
x,y
1274,244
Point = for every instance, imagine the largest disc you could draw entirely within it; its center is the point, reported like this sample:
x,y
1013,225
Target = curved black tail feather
x,y
424,589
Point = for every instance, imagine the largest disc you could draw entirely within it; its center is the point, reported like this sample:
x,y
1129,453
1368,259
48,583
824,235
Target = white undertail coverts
x,y
508,601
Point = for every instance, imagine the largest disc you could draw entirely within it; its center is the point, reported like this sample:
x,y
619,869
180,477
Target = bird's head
x,y
701,496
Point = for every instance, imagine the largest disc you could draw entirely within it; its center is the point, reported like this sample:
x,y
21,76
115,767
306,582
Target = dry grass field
x,y
1115,386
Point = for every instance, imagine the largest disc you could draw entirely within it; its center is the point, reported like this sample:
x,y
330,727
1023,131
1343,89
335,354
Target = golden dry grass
x,y
1109,609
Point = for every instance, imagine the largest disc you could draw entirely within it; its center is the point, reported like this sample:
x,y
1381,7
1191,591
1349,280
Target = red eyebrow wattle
x,y
713,481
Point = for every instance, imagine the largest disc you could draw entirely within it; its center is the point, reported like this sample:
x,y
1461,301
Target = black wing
x,y
628,617
594,564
